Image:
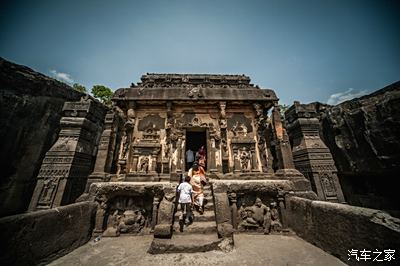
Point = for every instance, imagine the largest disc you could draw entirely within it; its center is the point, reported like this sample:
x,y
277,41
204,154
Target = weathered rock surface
x,y
363,136
30,112
40,237
337,228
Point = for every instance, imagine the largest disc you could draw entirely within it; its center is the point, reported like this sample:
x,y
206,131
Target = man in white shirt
x,y
186,200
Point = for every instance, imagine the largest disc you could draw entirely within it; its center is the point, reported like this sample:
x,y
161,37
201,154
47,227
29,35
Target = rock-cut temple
x,y
142,151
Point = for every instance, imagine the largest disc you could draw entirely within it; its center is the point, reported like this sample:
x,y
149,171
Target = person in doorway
x,y
189,158
198,180
186,199
202,156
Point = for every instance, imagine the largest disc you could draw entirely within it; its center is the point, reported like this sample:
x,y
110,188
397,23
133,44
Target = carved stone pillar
x,y
179,149
236,162
311,156
234,210
153,163
135,161
212,162
100,217
63,175
254,164
107,149
284,154
156,201
283,149
129,129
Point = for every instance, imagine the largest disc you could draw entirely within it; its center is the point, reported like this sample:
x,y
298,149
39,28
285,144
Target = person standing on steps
x,y
198,180
189,158
201,156
186,199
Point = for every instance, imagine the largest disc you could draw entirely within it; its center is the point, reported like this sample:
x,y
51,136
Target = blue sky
x,y
305,50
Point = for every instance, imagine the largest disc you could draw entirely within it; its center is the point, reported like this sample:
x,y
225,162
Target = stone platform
x,y
249,250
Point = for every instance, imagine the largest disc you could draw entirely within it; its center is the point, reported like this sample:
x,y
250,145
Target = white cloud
x,y
63,77
345,96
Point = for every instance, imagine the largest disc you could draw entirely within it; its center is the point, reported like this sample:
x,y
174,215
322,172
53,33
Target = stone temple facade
x,y
141,156
168,114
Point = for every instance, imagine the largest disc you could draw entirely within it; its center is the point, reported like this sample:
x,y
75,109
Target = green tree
x,y
102,93
283,108
79,87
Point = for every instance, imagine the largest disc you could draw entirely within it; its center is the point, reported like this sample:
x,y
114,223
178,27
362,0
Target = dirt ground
x,y
249,250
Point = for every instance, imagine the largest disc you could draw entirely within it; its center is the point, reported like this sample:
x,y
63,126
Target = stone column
x,y
284,154
156,201
212,162
311,156
129,129
254,164
236,161
234,210
106,151
63,175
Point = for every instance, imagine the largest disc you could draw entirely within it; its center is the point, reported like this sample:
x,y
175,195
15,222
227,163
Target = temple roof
x,y
194,86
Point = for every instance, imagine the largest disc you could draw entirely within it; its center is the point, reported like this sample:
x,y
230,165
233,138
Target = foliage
x,y
283,108
79,87
102,93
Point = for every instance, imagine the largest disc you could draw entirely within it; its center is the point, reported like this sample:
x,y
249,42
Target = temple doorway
x,y
195,138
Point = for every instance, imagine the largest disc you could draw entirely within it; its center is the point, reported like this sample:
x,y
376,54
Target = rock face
x,y
363,136
30,112
37,238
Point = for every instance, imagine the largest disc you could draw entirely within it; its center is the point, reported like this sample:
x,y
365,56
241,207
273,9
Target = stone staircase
x,y
200,236
202,224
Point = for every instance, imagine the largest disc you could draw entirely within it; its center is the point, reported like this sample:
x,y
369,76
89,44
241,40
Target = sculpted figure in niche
x,y
275,224
49,187
113,225
239,129
132,221
244,159
223,123
256,216
144,165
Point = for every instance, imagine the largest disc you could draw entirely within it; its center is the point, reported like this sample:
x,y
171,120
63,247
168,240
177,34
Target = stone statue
x,y
239,129
256,216
244,159
132,221
113,225
144,165
49,188
100,214
275,224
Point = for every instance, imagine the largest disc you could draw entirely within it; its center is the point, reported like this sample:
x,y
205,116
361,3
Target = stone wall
x,y
42,236
363,137
337,228
30,112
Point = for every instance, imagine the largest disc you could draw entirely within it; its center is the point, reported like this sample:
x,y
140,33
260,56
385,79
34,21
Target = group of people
x,y
191,195
199,157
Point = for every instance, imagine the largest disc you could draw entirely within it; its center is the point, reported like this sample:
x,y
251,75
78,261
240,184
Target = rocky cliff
x,y
30,112
363,136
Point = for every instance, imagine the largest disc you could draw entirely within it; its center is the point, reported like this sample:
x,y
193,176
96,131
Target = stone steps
x,y
186,244
196,228
208,216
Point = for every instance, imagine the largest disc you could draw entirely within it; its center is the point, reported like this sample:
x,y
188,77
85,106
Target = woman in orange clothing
x,y
198,180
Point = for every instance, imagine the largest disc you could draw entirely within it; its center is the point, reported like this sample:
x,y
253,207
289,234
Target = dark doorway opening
x,y
195,138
